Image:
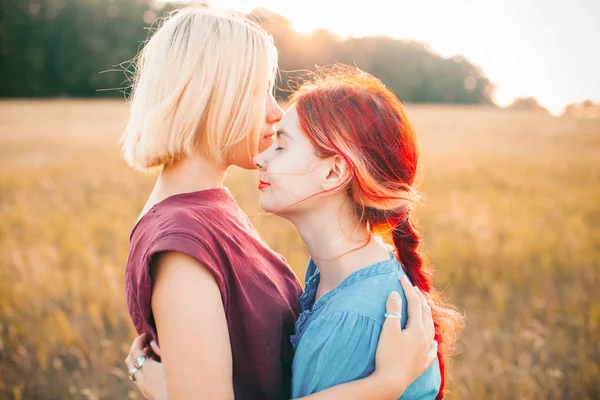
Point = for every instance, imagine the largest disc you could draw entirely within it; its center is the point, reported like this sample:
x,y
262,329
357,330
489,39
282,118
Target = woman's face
x,y
240,156
272,117
290,171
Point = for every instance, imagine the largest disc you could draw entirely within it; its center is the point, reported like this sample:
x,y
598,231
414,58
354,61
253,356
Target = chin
x,y
247,164
264,204
271,208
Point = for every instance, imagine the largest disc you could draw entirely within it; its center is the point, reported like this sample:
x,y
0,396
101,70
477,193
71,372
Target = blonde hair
x,y
202,82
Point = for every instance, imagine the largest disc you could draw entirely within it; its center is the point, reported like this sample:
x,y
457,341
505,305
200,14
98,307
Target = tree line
x,y
81,48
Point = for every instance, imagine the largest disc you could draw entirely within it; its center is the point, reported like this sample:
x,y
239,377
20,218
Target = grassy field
x,y
511,219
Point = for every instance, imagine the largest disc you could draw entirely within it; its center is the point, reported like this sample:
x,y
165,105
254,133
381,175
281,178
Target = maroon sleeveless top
x,y
259,290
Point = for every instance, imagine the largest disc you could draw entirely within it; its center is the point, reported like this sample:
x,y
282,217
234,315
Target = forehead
x,y
290,119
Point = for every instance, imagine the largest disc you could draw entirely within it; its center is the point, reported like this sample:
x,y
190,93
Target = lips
x,y
262,184
269,135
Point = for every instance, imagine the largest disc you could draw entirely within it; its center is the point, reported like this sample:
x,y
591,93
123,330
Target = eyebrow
x,y
284,133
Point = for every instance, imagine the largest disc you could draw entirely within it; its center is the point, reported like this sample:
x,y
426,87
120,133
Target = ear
x,y
337,173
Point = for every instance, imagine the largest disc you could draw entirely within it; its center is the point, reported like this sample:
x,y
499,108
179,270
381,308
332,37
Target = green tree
x,y
82,48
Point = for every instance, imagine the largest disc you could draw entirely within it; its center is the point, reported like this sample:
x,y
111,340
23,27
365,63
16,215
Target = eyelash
x,y
278,148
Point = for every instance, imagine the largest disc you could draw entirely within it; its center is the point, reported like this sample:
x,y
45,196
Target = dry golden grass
x,y
511,220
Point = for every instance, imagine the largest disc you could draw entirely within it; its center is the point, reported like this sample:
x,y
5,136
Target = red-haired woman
x,y
342,171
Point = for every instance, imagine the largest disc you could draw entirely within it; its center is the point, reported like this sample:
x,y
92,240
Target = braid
x,y
407,239
350,113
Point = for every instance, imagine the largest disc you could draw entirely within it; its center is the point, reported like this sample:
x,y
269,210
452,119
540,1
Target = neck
x,y
192,174
337,241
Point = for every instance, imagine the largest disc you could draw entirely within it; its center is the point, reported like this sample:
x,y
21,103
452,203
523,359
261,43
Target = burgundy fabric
x,y
259,290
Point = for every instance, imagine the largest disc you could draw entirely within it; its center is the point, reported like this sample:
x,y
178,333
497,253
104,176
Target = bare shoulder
x,y
175,263
191,324
180,280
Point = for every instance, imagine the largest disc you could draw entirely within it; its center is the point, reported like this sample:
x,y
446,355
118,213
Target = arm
x,y
190,321
392,375
369,388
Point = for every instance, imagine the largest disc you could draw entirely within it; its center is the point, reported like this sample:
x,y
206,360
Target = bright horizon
x,y
526,48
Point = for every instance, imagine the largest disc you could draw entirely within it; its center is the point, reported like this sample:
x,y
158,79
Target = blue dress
x,y
336,337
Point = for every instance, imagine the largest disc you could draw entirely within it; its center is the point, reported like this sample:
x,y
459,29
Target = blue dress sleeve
x,y
335,348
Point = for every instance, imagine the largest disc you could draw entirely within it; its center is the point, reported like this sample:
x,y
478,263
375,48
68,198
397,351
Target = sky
x,y
547,49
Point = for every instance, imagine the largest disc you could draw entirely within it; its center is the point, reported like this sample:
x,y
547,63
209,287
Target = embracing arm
x,y
393,374
191,324
368,388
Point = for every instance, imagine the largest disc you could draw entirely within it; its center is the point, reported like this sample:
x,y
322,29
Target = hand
x,y
150,378
403,355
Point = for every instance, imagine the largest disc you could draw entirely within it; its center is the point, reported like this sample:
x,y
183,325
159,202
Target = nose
x,y
274,112
260,162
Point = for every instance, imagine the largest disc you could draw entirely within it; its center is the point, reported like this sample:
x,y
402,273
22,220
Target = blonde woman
x,y
198,276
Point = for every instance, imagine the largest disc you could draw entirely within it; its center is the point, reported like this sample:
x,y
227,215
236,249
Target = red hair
x,y
350,113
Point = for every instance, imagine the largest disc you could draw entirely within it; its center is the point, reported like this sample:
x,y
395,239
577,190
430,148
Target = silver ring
x,y
138,362
137,365
132,372
393,314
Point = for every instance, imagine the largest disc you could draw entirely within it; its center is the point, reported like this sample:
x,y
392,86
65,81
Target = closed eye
x,y
280,132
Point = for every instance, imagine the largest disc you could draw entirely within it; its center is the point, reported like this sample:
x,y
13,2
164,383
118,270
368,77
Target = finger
x,y
427,317
137,347
432,356
422,299
155,348
415,314
393,304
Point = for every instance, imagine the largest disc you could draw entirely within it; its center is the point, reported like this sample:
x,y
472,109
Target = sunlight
x,y
529,59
